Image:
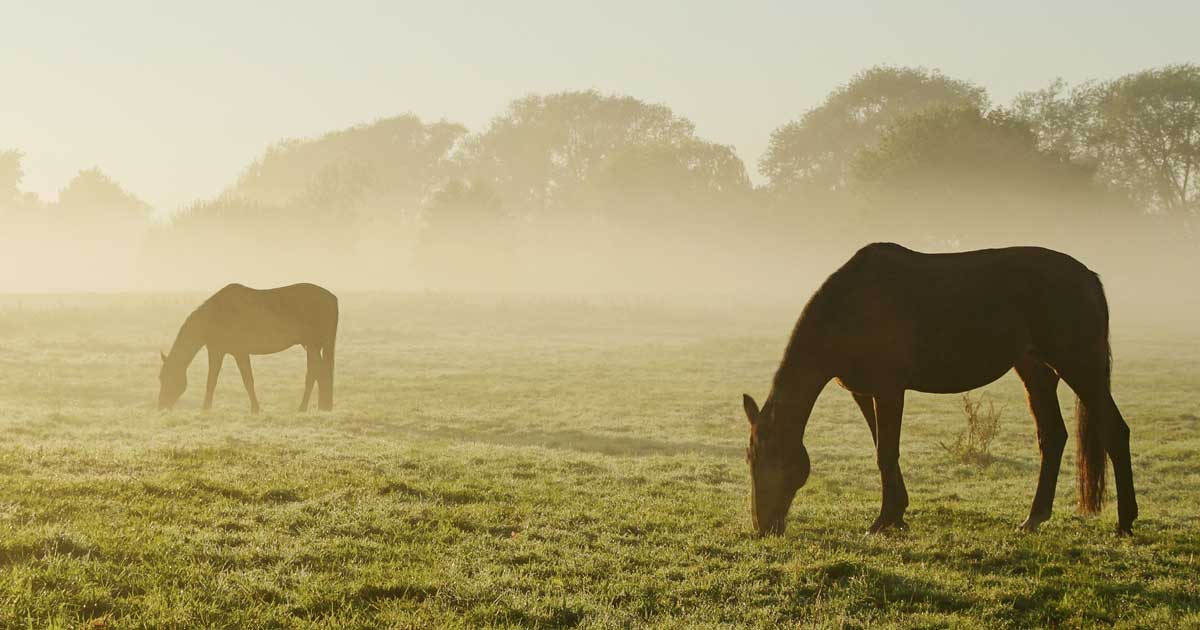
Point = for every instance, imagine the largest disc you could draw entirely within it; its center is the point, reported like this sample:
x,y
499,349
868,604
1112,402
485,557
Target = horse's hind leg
x,y
325,380
1100,411
1117,445
1041,384
310,374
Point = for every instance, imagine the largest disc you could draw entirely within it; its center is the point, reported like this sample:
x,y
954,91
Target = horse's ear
x,y
751,408
164,357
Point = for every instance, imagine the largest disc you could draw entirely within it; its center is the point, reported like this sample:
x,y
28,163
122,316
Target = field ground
x,y
544,463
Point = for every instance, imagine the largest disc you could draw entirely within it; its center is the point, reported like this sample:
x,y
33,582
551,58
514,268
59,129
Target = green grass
x,y
542,463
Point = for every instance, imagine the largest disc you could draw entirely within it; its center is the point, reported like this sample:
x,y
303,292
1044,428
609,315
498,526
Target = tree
x,y
670,187
353,195
1147,137
89,237
467,239
813,155
359,186
1142,131
92,199
393,157
960,176
545,154
10,175
1061,116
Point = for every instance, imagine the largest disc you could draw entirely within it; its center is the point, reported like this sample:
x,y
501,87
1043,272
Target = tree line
x,y
620,186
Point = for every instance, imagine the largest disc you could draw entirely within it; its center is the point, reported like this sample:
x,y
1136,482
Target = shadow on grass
x,y
1040,585
563,439
888,588
206,487
55,544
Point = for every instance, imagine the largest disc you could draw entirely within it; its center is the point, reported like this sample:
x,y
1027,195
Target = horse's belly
x,y
940,380
258,336
268,347
271,336
960,375
961,356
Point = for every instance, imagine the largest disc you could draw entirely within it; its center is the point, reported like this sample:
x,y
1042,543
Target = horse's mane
x,y
815,312
190,322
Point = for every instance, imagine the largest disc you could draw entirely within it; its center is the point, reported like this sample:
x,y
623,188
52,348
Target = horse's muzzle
x,y
770,527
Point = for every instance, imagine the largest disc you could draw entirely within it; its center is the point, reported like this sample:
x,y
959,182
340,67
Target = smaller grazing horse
x,y
242,321
892,320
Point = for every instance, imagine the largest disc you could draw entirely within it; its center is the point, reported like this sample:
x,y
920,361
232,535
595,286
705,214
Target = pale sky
x,y
174,99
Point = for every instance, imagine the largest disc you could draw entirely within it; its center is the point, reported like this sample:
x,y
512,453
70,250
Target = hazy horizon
x,y
583,275
174,103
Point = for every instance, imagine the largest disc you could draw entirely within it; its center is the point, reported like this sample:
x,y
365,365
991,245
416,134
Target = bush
x,y
973,444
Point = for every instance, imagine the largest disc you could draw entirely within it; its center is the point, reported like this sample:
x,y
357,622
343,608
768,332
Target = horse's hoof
x,y
1124,530
882,524
1032,523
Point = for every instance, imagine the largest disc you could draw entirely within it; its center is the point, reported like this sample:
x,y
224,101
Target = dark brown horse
x,y
242,321
891,320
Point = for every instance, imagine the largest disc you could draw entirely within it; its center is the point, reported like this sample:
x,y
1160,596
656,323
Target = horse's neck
x,y
192,336
798,389
800,379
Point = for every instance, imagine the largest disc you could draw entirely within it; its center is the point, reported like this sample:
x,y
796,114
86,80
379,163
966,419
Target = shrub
x,y
973,444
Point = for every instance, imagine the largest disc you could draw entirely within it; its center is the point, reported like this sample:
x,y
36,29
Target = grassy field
x,y
544,463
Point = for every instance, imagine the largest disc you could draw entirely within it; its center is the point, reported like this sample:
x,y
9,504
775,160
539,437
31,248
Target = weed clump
x,y
973,444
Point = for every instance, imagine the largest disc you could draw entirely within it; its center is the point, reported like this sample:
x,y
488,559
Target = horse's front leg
x,y
889,409
215,358
867,405
243,363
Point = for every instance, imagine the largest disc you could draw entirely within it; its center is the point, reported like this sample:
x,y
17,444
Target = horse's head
x,y
778,463
172,382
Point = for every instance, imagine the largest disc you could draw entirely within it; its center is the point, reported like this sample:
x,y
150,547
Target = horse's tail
x,y
325,395
1090,453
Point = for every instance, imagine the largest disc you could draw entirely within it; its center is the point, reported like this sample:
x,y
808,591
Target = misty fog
x,y
582,192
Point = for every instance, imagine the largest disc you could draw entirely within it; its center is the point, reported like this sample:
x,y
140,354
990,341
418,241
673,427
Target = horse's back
x,y
299,295
306,296
954,321
264,321
1028,276
985,262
